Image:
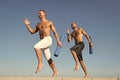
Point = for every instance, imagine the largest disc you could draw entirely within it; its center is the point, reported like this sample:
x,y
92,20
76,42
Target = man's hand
x,y
68,32
59,43
90,43
26,21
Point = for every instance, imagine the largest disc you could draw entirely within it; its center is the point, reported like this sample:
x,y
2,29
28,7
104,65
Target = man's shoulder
x,y
37,24
49,21
81,29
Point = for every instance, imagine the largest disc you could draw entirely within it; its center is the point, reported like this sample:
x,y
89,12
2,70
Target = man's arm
x,y
87,36
69,37
55,34
27,23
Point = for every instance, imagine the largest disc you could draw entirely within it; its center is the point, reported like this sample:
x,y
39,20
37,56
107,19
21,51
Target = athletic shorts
x,y
44,45
78,47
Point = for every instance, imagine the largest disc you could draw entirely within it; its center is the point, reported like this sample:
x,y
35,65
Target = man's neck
x,y
43,19
75,29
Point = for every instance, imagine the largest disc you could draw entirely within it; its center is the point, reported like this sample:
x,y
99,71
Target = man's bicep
x,y
83,32
52,27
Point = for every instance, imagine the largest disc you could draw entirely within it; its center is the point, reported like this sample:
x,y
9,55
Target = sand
x,y
62,78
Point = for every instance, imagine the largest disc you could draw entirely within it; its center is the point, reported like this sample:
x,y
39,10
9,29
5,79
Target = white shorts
x,y
44,45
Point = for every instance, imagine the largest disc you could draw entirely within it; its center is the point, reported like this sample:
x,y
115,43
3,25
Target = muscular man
x,y
44,27
76,50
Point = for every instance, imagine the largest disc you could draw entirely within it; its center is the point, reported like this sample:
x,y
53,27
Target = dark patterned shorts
x,y
78,47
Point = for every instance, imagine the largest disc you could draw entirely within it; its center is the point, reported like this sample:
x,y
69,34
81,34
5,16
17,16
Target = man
x,y
76,50
44,27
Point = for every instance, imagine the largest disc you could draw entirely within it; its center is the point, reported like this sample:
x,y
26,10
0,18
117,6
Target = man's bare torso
x,y
44,28
77,35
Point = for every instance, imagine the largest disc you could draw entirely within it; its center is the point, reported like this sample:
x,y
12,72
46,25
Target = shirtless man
x,y
44,27
76,50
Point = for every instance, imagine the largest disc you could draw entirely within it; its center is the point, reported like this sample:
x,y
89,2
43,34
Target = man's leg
x,y
76,60
52,65
50,62
84,69
42,44
39,57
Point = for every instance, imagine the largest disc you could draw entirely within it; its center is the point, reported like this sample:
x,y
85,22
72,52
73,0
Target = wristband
x,y
68,34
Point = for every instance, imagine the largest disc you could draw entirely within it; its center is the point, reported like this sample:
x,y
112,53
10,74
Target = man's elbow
x,y
69,40
86,35
32,32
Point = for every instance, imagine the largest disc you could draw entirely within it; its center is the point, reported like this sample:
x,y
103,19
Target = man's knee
x,y
36,47
71,49
50,61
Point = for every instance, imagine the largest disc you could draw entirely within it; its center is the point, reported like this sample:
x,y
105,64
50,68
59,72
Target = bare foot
x,y
76,67
86,76
55,74
39,67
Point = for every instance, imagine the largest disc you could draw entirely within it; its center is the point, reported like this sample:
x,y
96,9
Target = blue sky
x,y
100,19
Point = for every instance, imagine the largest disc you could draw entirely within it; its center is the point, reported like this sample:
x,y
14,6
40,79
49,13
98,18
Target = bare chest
x,y
44,26
76,33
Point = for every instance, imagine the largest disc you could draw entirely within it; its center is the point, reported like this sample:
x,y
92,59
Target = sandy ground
x,y
43,78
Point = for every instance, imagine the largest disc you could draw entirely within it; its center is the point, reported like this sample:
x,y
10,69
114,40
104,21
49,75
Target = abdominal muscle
x,y
44,34
78,39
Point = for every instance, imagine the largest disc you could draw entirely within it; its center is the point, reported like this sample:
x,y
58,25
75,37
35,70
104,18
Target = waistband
x,y
79,42
47,37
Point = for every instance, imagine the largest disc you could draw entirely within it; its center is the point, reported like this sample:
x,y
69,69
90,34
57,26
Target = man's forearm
x,y
69,37
88,38
29,28
56,36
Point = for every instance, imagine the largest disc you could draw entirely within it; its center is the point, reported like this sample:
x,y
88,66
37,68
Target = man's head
x,y
41,14
73,25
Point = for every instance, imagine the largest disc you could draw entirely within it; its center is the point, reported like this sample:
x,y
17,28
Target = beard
x,y
39,17
73,28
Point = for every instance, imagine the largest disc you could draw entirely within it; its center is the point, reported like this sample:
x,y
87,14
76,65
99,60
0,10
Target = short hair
x,y
74,22
43,11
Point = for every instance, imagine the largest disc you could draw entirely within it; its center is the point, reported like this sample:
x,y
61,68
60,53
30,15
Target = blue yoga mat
x,y
57,50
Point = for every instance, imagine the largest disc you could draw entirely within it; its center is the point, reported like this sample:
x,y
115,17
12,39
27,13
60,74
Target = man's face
x,y
73,25
41,14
